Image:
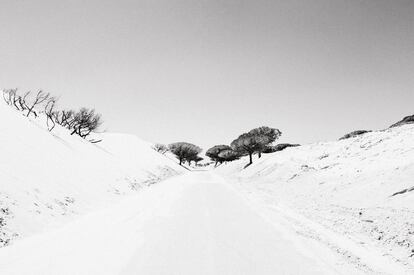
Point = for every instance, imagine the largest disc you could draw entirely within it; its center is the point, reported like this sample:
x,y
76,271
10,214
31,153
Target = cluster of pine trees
x,y
184,151
256,141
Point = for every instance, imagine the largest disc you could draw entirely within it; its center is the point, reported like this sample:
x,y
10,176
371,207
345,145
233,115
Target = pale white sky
x,y
206,71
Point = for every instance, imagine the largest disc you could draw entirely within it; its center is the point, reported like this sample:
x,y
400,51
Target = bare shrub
x,y
160,148
21,100
82,122
12,98
41,97
65,118
49,112
354,134
8,95
85,121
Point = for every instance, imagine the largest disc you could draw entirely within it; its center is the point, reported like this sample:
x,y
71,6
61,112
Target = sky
x,y
207,71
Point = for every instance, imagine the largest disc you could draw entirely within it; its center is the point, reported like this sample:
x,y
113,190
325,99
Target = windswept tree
x,y
248,144
85,121
41,98
7,95
214,152
49,112
65,118
184,151
228,155
12,98
278,147
160,148
267,136
255,141
82,122
193,157
198,159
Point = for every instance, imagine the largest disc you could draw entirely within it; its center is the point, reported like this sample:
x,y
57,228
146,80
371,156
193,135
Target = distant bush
x,y
49,112
228,155
184,151
34,104
11,97
85,121
268,135
405,120
255,141
355,134
65,118
278,147
160,148
198,159
213,153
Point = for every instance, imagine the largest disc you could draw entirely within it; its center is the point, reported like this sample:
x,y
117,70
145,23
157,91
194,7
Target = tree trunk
x,y
250,158
260,154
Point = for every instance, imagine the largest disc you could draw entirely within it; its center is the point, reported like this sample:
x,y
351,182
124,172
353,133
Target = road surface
x,y
191,224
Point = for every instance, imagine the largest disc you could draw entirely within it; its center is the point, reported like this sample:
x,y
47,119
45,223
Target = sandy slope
x,y
338,207
48,178
356,190
192,224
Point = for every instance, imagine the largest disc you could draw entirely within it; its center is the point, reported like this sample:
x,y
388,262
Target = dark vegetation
x,y
405,120
160,148
82,122
185,152
355,134
278,147
85,121
256,141
221,153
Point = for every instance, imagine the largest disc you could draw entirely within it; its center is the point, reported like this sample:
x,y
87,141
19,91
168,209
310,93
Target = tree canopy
x,y
160,148
221,153
184,151
228,155
213,152
255,141
267,136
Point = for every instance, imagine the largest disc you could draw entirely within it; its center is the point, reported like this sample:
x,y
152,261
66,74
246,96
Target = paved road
x,y
191,224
